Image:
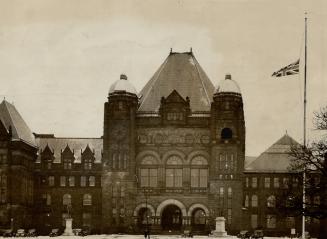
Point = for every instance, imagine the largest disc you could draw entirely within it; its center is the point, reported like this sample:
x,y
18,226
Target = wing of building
x,y
171,158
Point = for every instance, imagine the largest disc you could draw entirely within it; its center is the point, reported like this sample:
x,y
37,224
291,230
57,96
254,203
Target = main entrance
x,y
171,218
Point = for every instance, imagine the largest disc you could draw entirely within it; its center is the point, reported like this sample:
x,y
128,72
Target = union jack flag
x,y
291,69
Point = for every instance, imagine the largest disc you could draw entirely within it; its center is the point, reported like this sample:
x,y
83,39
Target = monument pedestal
x,y
69,227
220,228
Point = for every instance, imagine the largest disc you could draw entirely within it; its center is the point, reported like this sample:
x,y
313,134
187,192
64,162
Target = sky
x,y
58,58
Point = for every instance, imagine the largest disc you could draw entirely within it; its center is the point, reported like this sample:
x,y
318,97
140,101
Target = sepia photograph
x,y
163,119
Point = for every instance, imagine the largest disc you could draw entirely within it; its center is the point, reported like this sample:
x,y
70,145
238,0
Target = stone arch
x,y
142,154
143,205
197,153
169,202
173,152
195,206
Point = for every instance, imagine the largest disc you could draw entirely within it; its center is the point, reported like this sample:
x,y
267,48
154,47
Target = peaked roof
x,y
180,72
276,158
10,117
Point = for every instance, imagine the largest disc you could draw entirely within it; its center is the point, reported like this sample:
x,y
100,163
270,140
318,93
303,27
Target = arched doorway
x,y
144,218
198,219
171,218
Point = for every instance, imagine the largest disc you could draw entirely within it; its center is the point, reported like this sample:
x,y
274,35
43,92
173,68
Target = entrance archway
x,y
144,218
171,218
198,219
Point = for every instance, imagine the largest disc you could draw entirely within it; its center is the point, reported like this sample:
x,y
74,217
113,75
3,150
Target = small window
x,y
71,180
51,181
267,182
67,200
254,182
226,133
87,199
276,182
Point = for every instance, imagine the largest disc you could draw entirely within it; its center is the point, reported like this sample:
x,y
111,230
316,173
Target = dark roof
x,y
276,158
180,72
76,145
10,117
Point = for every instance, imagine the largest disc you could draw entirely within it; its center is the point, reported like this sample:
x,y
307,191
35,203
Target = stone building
x,y
171,158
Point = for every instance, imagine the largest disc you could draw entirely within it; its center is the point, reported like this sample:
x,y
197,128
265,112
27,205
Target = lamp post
x,y
147,232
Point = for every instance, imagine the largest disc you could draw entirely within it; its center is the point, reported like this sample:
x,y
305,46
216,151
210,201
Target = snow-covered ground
x,y
114,236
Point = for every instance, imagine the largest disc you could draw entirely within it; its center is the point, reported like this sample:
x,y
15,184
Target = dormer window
x,y
67,163
87,158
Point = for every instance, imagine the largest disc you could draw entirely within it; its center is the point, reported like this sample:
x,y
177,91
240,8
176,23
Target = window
x,y
149,177
271,201
246,182
3,188
174,177
87,220
51,181
229,197
174,172
221,196
246,201
67,163
87,199
295,182
46,199
62,181
285,182
254,182
267,182
91,181
226,133
174,116
276,182
271,221
67,200
316,201
229,216
71,181
199,178
254,221
254,201
87,163
83,181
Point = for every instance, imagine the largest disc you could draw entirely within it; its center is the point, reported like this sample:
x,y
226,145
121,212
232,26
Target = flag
x,y
291,69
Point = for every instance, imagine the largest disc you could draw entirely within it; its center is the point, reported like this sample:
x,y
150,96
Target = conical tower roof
x,y
276,158
180,72
11,118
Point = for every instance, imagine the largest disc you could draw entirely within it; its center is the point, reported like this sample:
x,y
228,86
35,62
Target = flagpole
x,y
304,122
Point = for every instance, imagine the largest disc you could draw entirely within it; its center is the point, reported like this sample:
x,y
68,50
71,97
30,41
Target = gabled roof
x,y
275,159
11,118
180,72
78,145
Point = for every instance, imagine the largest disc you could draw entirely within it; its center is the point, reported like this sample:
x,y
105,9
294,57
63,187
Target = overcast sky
x,y
58,58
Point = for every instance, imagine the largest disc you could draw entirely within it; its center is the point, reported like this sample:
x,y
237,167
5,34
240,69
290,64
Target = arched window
x,y
199,172
67,200
174,171
226,133
199,217
254,201
246,201
271,201
149,172
87,199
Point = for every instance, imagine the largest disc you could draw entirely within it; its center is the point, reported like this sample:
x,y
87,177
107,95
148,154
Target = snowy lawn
x,y
113,236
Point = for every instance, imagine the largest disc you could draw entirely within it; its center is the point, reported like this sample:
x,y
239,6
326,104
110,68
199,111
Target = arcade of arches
x,y
171,215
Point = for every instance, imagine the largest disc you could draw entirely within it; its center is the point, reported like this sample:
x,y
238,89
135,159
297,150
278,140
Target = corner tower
x,y
228,150
118,153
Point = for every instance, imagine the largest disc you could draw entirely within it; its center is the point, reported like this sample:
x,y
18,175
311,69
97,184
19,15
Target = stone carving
x,y
173,136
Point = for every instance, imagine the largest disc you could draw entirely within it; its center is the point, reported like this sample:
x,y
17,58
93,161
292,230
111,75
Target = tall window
x,y
246,202
67,200
254,182
3,188
83,181
87,220
276,182
246,182
285,182
71,181
254,201
267,182
229,216
221,196
271,201
62,181
229,197
199,172
149,172
87,199
91,181
254,221
174,172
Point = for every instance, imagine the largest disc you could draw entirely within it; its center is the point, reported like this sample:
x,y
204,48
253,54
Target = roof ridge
x,y
203,86
160,69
